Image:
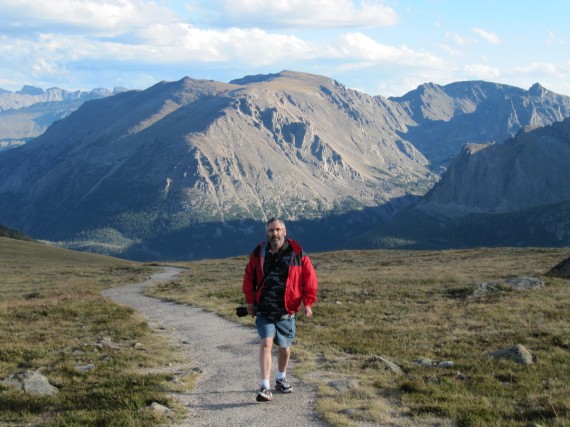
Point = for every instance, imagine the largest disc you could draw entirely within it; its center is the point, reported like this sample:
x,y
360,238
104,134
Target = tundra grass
x,y
410,305
53,319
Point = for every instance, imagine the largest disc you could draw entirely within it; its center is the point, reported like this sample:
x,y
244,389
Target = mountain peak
x,y
30,90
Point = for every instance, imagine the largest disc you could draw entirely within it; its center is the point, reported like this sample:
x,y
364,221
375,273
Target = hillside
x,y
511,194
450,116
187,168
13,234
26,114
190,169
526,171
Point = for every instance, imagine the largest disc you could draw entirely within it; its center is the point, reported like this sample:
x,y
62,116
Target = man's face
x,y
276,233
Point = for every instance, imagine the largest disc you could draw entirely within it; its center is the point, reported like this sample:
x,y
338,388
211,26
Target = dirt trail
x,y
226,353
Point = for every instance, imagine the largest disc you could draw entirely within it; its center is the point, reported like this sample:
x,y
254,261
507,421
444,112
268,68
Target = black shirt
x,y
276,271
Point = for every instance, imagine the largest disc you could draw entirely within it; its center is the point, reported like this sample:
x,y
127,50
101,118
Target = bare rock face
x,y
528,171
476,112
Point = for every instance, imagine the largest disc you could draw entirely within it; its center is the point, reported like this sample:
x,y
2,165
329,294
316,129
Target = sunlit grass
x,y
407,305
53,318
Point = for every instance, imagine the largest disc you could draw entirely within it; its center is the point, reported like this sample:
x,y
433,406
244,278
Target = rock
x,y
524,283
518,354
446,364
31,382
424,362
345,385
379,361
562,269
84,368
514,284
160,409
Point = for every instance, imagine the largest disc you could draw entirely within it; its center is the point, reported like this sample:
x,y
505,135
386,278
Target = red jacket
x,y
301,285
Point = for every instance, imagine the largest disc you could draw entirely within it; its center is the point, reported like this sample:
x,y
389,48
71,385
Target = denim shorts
x,y
282,331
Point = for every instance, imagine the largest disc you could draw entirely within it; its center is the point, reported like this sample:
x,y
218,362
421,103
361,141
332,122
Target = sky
x,y
377,47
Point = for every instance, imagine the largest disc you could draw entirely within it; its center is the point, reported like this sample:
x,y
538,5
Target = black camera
x,y
241,311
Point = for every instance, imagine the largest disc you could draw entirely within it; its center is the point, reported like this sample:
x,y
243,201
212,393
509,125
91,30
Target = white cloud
x,y
360,46
481,72
491,38
109,17
306,13
459,40
553,39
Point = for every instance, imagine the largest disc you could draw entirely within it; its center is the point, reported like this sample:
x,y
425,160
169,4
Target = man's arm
x,y
310,285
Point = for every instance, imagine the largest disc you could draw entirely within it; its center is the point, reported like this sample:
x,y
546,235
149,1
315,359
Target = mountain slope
x,y
527,171
448,117
511,194
26,114
139,171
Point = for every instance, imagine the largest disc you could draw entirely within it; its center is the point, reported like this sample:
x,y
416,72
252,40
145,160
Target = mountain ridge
x,y
188,168
28,112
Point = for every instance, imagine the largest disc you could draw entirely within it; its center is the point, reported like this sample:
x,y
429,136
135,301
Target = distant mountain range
x,y
27,113
189,169
511,194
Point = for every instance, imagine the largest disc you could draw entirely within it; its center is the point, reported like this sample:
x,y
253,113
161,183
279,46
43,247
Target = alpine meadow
x,y
438,223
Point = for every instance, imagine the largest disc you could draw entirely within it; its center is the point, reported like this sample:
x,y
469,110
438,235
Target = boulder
x,y
512,284
518,354
562,269
31,382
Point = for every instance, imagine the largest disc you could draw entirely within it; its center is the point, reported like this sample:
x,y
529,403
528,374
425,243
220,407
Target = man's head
x,y
276,232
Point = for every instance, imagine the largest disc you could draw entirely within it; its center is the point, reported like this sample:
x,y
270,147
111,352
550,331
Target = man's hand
x,y
308,312
250,310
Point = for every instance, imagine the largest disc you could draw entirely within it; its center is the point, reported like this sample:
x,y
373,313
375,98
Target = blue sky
x,y
378,47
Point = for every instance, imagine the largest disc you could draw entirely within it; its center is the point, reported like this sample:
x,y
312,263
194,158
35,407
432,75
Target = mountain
x,y
527,171
189,168
13,234
28,112
511,194
448,117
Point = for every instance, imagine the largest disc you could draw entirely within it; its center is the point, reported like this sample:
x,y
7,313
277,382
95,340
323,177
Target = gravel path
x,y
226,353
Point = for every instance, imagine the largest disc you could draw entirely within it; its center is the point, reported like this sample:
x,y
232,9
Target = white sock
x,y
265,383
280,375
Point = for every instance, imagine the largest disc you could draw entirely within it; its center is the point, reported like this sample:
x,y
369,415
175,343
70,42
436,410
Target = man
x,y
278,278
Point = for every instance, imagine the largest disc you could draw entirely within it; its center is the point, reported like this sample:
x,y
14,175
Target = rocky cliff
x,y
448,117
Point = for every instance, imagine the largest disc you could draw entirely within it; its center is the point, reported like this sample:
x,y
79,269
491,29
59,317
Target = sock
x,y
265,383
280,375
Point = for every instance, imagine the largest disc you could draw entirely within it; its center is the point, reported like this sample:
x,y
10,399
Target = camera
x,y
241,311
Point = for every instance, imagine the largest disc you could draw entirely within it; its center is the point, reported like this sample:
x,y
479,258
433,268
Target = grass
x,y
53,318
408,305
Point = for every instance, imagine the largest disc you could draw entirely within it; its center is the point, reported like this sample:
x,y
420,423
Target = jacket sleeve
x,y
249,279
310,283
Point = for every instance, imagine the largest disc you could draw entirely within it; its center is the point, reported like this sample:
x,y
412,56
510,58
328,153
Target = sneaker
x,y
283,386
264,395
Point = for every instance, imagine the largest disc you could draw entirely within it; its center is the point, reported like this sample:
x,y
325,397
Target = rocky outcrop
x,y
475,112
527,171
